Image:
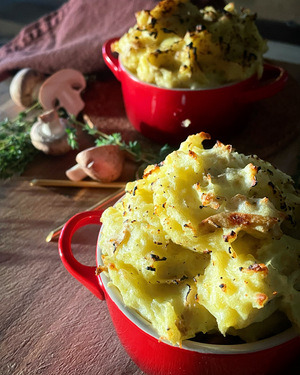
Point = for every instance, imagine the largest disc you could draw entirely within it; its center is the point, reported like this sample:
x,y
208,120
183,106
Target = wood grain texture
x,y
50,324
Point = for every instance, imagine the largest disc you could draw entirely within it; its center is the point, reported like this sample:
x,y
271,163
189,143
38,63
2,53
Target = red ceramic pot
x,y
270,356
158,113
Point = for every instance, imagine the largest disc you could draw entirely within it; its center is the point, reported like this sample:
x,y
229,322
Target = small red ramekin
x,y
159,113
272,356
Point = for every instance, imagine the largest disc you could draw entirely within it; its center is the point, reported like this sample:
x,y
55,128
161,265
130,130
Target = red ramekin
x,y
159,113
155,357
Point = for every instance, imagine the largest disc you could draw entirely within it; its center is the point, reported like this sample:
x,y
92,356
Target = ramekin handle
x,y
86,275
111,61
273,80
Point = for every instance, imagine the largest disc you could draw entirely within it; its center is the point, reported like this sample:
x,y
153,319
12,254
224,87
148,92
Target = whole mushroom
x,y
63,89
24,87
102,163
49,135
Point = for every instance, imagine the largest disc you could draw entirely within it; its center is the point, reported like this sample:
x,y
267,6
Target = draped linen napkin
x,y
72,36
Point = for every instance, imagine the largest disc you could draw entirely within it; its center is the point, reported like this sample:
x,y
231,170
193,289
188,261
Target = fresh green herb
x,y
16,149
164,151
132,147
72,138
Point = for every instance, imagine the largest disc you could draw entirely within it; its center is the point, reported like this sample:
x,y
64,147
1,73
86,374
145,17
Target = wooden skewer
x,y
88,121
102,204
82,184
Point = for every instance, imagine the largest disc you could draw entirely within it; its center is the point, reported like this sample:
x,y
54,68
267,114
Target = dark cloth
x,y
70,37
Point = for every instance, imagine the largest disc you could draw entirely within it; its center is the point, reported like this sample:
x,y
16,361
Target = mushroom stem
x,y
63,89
48,134
51,124
76,173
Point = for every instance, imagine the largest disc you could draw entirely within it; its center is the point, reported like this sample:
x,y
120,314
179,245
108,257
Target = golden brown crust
x,y
150,169
257,267
261,299
239,220
100,269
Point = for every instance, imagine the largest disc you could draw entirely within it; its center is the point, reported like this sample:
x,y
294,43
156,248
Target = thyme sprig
x,y
132,147
16,149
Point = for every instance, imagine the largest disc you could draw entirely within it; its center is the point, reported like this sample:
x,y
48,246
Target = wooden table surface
x,y
49,322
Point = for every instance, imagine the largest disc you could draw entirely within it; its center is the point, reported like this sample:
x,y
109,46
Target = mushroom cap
x,y
24,87
62,89
48,134
103,163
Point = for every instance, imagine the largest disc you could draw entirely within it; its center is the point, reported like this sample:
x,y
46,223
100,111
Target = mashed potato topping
x,y
206,241
178,45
